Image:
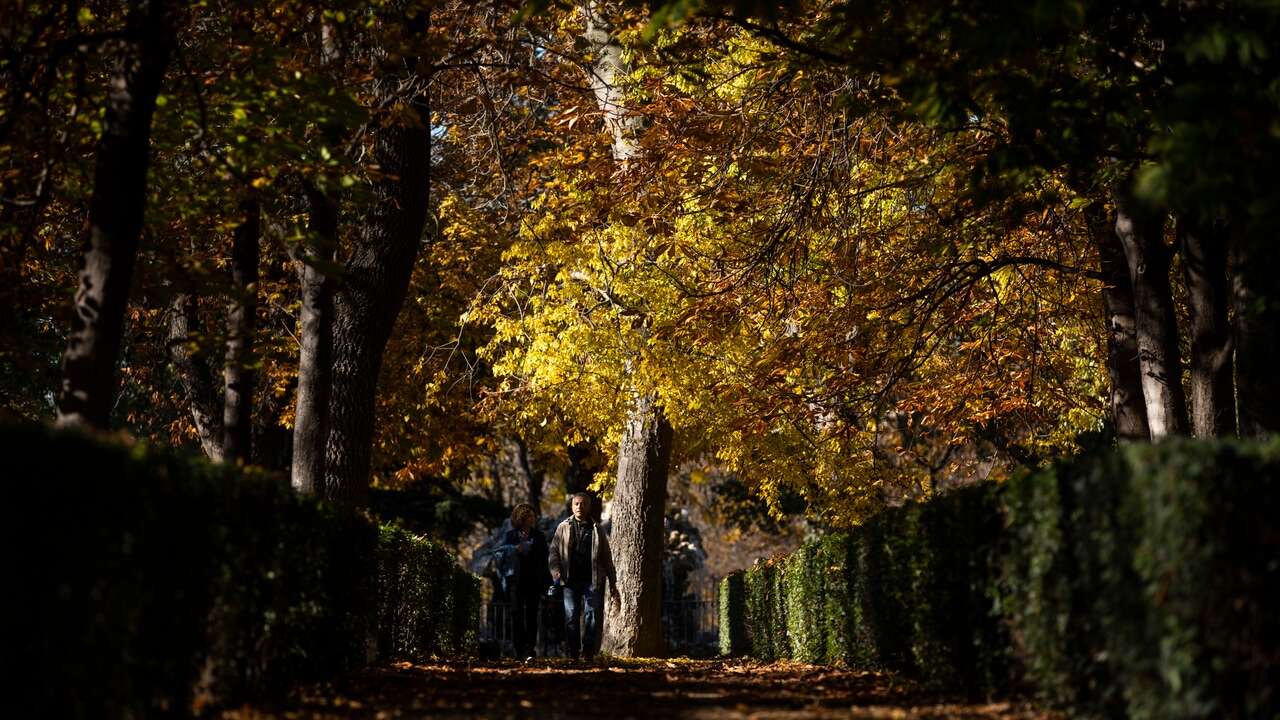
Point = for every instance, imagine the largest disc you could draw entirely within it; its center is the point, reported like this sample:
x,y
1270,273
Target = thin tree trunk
x,y
238,374
577,476
1155,325
369,298
195,377
1128,409
1256,304
115,219
634,627
311,413
1204,266
533,478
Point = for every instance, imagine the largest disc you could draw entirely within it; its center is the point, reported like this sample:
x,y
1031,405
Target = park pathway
x,y
626,689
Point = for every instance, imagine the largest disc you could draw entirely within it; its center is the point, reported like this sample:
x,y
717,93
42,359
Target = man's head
x,y
581,506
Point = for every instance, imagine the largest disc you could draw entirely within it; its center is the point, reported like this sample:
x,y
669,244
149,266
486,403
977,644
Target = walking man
x,y
580,560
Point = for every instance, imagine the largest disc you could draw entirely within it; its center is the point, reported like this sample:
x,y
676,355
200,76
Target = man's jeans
x,y
581,601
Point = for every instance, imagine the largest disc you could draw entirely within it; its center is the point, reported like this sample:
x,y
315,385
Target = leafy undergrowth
x,y
626,689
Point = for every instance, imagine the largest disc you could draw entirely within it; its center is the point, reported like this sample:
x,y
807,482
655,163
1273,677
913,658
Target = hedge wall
x,y
1138,583
143,582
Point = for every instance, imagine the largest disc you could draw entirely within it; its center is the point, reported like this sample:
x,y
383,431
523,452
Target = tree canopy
x,y
853,253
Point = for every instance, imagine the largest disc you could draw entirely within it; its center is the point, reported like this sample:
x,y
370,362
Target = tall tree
x,y
1128,408
634,627
1141,234
194,376
314,259
115,216
238,373
375,275
1203,247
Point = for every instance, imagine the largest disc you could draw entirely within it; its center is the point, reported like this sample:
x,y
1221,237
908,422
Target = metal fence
x,y
690,627
496,634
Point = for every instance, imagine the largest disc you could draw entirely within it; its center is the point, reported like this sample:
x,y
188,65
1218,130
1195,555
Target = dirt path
x,y
626,689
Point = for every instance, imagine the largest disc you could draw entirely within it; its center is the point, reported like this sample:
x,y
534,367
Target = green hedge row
x,y
426,604
1140,583
143,582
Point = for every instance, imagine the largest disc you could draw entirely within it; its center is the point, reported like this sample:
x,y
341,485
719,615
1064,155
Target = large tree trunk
x,y
369,298
195,378
115,219
311,413
1256,301
1155,324
633,628
1204,266
238,375
1128,409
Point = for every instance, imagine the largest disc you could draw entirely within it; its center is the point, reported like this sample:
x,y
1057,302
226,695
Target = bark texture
x,y
1204,266
311,414
1128,408
238,374
115,217
1155,325
368,300
1256,301
195,377
633,628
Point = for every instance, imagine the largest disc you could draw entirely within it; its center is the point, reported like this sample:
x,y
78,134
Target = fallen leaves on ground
x,y
696,689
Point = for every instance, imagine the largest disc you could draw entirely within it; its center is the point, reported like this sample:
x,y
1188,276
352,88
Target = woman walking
x,y
531,579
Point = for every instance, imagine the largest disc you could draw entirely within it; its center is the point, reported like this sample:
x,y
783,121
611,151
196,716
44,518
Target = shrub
x,y
1139,582
148,583
733,621
1149,578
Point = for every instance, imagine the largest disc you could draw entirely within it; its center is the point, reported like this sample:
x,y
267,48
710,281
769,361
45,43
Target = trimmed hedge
x,y
144,582
426,605
733,627
1141,582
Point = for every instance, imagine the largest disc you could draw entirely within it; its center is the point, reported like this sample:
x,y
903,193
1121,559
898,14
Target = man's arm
x,y
554,561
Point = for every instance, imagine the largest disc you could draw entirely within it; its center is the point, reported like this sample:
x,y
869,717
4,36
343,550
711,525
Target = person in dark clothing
x,y
531,580
580,559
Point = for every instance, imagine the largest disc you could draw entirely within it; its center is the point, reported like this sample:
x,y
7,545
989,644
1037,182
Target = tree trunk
x,y
238,374
1155,325
195,378
1256,302
1204,266
634,627
115,219
311,414
577,476
369,298
1128,409
533,478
